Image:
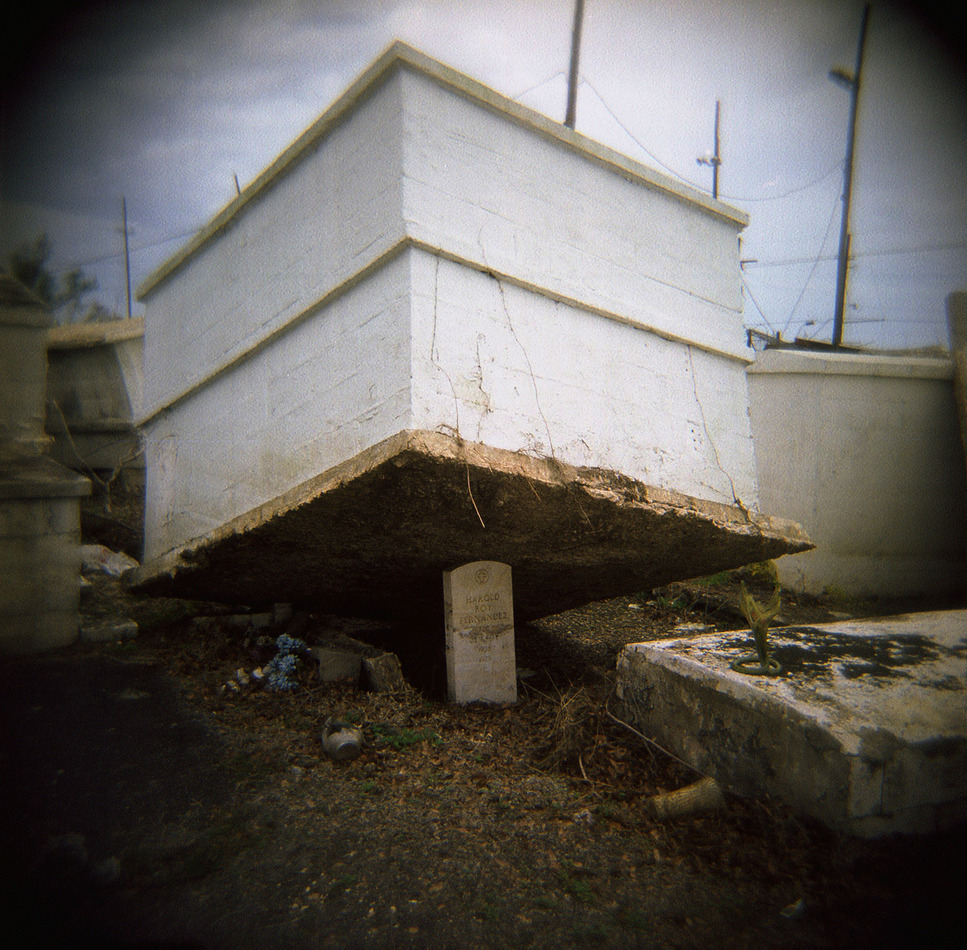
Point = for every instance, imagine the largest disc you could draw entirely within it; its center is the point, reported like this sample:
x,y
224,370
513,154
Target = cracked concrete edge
x,y
597,482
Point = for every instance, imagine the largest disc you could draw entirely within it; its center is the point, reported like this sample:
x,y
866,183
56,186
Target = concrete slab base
x,y
373,536
865,729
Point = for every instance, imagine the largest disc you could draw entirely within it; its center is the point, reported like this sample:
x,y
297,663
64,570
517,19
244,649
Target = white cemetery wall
x,y
316,222
513,369
863,451
499,193
328,388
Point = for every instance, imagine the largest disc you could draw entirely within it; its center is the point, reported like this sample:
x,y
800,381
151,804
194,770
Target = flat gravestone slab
x,y
866,728
479,613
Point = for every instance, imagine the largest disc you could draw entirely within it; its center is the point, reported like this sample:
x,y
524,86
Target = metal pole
x,y
853,84
716,160
127,256
572,79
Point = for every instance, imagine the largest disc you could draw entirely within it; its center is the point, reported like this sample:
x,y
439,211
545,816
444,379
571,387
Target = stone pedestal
x,y
40,555
479,605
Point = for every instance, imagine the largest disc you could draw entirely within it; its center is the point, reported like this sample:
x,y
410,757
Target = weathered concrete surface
x,y
374,535
866,729
957,331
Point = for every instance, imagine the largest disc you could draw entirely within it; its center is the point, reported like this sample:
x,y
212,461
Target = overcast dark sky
x,y
164,102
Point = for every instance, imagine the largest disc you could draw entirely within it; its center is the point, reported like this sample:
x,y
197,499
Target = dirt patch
x,y
456,826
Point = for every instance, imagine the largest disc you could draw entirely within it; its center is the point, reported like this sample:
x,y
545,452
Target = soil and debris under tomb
x,y
223,823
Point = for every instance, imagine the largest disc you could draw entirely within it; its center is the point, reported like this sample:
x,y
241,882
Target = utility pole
x,y
127,256
852,84
572,79
715,159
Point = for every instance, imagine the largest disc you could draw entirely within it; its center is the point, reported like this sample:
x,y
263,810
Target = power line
x,y
835,167
135,250
638,142
812,270
748,290
543,82
884,252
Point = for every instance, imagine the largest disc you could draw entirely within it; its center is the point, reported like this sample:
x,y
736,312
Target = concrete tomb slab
x,y
479,610
866,728
372,537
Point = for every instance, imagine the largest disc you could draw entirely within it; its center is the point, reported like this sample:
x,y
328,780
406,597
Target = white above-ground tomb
x,y
431,264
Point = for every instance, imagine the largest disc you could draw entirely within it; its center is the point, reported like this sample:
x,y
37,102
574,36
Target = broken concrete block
x,y
107,632
336,665
96,557
384,674
865,730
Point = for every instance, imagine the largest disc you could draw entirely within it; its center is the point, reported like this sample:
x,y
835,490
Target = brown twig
x,y
650,742
472,502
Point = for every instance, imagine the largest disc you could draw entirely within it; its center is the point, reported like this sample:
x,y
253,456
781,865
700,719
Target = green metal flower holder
x,y
758,663
754,665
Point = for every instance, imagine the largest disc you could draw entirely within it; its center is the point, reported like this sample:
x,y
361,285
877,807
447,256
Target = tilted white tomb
x,y
442,328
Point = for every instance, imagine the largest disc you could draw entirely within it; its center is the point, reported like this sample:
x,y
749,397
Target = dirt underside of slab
x,y
373,536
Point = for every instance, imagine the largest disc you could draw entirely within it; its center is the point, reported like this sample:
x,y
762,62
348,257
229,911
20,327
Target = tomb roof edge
x,y
401,55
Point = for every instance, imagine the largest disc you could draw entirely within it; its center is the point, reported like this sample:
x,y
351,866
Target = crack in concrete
x,y
708,436
433,353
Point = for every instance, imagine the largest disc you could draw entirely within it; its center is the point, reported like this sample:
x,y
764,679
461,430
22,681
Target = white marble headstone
x,y
481,662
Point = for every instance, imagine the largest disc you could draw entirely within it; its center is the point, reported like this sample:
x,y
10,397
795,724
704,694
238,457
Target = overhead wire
x,y
858,255
135,249
755,302
812,270
635,139
538,85
835,167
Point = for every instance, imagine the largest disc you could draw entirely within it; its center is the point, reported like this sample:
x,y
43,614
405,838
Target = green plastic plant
x,y
759,617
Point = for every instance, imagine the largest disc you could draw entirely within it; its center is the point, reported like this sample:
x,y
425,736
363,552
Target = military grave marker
x,y
481,662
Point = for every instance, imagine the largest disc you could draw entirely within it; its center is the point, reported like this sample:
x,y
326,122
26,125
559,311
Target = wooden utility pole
x,y
572,79
127,256
852,84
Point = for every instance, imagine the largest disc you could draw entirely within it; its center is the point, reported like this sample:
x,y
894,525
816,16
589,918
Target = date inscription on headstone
x,y
479,608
